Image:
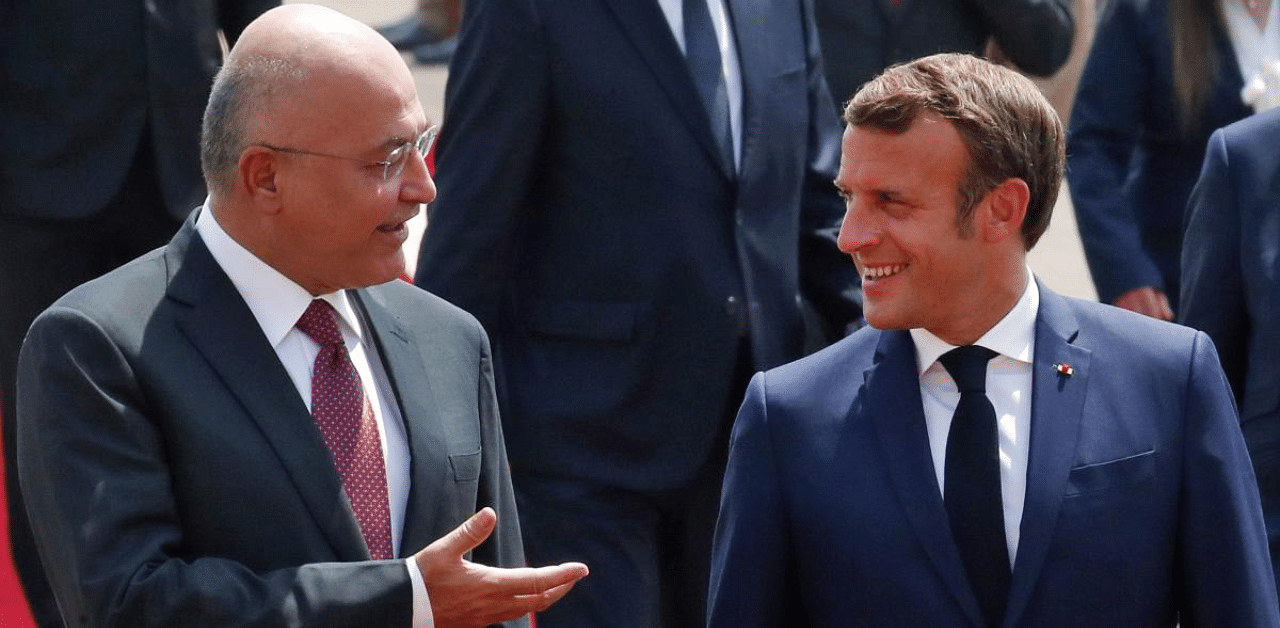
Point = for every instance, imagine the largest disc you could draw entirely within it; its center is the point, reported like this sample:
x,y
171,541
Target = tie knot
x,y
318,323
968,367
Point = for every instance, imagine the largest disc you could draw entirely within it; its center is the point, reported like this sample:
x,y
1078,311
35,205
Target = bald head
x,y
303,125
289,70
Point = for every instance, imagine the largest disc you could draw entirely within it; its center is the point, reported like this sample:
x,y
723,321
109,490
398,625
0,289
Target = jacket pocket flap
x,y
466,467
1100,476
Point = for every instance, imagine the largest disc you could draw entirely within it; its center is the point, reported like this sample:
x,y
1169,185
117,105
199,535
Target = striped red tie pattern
x,y
345,416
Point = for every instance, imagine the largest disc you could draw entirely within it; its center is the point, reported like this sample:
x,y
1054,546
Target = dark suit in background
x,y
1132,164
215,501
862,37
99,161
1230,287
627,277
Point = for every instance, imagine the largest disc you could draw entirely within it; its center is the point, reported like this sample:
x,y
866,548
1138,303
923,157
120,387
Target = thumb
x,y
467,536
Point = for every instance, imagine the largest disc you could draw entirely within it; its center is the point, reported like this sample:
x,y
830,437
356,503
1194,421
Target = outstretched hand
x,y
465,594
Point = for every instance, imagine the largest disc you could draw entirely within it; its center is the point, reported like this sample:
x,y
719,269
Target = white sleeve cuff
x,y
422,617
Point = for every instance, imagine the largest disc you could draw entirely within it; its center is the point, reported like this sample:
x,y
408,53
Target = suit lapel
x,y
1057,403
647,29
892,398
222,328
419,410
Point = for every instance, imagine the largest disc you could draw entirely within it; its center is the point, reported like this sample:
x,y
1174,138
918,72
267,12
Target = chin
x,y
885,320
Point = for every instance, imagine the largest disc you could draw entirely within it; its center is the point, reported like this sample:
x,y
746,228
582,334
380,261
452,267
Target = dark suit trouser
x,y
649,551
40,260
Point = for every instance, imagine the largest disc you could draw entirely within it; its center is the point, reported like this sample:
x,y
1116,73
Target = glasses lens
x,y
399,157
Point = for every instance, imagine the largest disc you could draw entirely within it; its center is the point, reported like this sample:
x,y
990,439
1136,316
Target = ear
x,y
1006,210
258,176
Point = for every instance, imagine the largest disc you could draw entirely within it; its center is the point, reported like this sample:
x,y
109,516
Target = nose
x,y
417,186
858,230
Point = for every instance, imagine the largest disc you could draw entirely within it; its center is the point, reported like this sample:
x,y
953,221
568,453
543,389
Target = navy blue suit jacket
x,y
860,38
1140,502
1130,165
585,218
1231,283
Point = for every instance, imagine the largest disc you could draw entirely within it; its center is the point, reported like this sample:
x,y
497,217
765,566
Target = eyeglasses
x,y
392,166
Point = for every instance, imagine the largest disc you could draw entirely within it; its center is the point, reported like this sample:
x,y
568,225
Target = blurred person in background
x,y
1230,288
430,32
636,202
862,37
1162,75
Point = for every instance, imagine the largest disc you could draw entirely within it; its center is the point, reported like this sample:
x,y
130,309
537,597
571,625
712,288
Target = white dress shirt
x,y
1257,52
674,10
277,303
1008,388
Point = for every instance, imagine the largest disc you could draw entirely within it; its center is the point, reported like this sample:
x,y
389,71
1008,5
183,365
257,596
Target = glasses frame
x,y
397,158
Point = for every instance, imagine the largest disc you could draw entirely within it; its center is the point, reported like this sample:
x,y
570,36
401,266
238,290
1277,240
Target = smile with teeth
x,y
881,272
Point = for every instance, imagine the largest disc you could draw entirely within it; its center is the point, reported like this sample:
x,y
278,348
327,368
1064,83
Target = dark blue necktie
x,y
702,52
972,482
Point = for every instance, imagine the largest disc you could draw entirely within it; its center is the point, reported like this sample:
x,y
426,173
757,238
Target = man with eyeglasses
x,y
257,425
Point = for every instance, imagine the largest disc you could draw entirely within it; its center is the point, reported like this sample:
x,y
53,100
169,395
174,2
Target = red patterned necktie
x,y
345,417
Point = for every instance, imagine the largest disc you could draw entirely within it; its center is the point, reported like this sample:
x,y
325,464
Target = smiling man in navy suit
x,y
1093,475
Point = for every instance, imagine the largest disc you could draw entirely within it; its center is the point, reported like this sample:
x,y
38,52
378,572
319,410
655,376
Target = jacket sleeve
x,y
1105,125
828,277
1227,577
487,157
1212,283
94,468
752,570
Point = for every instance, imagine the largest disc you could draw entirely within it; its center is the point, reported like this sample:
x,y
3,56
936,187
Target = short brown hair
x,y
1007,125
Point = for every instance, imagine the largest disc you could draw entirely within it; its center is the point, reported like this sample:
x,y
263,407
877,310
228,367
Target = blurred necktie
x,y
702,52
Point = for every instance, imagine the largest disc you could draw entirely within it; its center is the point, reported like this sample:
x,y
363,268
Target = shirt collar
x,y
276,301
1012,337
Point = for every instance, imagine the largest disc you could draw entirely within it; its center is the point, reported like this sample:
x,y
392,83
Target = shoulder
x,y
830,376
422,312
120,298
1253,134
1139,342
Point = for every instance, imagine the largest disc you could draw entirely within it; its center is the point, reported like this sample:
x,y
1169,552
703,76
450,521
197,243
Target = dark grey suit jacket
x,y
176,478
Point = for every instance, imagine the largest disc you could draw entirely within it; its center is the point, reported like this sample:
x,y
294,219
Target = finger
x,y
526,581
539,603
469,535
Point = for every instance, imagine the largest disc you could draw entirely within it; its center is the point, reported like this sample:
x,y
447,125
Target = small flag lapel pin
x,y
1064,368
